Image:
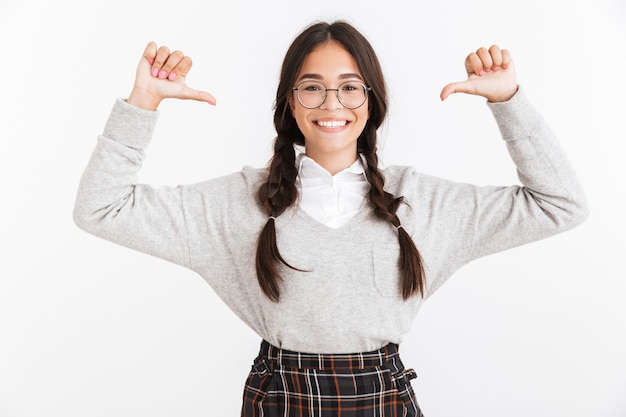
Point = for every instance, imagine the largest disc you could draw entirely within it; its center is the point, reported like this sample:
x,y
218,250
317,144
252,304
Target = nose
x,y
332,100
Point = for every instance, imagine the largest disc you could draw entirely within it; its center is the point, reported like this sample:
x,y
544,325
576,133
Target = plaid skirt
x,y
283,383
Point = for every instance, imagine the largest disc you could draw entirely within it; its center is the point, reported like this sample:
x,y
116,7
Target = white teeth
x,y
331,123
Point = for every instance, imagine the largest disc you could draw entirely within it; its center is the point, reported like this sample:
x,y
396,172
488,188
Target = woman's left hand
x,y
490,74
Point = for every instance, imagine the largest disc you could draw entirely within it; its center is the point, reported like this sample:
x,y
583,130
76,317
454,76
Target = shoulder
x,y
395,173
244,182
408,181
399,176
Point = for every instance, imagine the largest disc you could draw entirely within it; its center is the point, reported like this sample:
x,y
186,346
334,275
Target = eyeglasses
x,y
312,94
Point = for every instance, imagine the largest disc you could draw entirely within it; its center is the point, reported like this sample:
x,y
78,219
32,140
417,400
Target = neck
x,y
333,163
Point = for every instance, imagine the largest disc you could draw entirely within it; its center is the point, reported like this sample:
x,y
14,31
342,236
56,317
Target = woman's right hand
x,y
161,74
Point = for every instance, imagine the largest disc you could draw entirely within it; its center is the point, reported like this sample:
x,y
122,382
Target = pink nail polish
x,y
172,76
155,72
481,73
151,61
162,74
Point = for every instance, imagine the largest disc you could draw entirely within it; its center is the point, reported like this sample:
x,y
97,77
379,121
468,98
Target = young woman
x,y
325,255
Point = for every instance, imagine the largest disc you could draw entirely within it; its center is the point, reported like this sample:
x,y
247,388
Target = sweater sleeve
x,y
111,204
550,199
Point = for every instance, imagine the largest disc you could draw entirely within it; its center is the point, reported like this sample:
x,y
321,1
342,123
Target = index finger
x,y
506,58
473,64
150,51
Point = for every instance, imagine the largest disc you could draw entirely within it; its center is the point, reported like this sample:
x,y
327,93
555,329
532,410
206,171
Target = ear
x,y
292,104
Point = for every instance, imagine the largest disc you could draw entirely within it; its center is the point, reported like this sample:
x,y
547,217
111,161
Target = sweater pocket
x,y
385,256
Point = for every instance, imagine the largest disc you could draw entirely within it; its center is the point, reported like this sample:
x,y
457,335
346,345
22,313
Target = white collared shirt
x,y
331,199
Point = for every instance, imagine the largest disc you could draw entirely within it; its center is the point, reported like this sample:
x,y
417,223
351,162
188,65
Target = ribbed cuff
x,y
516,118
130,125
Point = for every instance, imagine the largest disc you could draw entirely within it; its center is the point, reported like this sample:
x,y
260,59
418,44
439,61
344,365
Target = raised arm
x,y
550,199
110,202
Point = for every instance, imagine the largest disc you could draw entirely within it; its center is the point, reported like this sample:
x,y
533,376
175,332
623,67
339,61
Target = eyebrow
x,y
341,77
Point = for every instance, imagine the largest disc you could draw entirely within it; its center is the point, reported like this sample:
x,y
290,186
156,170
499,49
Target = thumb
x,y
147,58
188,93
457,87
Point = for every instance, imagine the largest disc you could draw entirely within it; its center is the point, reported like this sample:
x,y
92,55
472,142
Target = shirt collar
x,y
308,168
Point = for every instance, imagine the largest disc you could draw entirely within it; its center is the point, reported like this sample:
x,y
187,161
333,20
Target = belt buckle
x,y
404,377
261,367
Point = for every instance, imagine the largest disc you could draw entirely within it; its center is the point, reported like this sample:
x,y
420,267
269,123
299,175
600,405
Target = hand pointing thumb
x,y
490,74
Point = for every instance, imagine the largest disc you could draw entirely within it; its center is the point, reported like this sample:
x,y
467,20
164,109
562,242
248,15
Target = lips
x,y
331,123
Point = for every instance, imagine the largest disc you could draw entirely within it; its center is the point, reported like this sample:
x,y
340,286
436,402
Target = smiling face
x,y
331,130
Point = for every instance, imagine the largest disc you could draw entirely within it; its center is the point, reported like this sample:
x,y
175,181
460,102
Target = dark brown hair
x,y
279,191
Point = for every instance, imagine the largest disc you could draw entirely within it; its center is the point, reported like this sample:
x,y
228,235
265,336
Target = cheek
x,y
364,114
299,113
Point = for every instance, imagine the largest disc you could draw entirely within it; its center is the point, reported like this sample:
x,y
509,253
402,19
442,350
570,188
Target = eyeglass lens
x,y
312,94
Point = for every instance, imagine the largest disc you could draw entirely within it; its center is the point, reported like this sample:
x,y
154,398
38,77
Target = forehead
x,y
329,60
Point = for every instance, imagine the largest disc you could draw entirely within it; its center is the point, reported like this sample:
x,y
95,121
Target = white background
x,y
88,328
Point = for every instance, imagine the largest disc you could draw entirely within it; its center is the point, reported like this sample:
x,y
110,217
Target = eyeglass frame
x,y
366,89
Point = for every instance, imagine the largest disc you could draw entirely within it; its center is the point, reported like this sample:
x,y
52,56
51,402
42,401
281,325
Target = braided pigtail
x,y
385,207
278,193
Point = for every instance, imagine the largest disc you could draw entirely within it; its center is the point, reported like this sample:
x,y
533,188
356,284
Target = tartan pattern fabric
x,y
283,383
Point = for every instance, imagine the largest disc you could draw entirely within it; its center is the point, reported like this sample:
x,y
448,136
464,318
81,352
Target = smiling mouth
x,y
331,123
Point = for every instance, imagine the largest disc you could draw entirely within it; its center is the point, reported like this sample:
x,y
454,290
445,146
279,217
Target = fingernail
x,y
155,72
495,68
172,76
151,61
481,73
162,74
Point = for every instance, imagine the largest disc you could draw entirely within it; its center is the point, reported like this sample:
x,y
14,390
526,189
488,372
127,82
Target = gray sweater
x,y
349,299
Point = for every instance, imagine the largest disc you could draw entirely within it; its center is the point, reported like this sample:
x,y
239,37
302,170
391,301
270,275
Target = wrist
x,y
143,99
506,96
